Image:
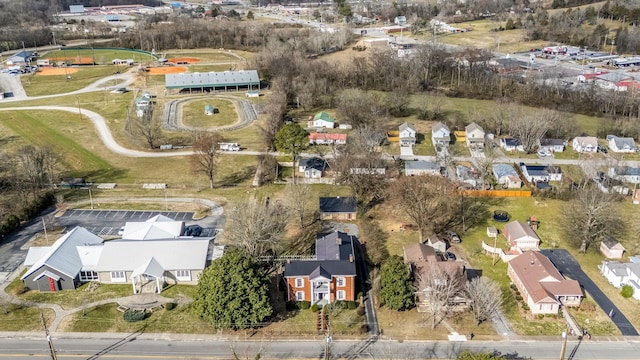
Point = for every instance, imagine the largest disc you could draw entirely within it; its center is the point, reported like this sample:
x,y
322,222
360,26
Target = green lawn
x,y
37,85
208,68
70,299
210,55
193,113
19,318
100,56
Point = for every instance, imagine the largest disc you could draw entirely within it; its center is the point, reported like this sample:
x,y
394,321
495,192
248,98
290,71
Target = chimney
x,y
350,258
339,240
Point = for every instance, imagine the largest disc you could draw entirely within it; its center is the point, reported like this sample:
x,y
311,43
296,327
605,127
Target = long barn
x,y
214,81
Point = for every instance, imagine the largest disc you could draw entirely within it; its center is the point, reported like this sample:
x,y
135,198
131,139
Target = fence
x,y
496,193
492,250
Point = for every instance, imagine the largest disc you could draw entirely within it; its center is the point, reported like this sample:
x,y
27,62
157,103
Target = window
x,y
341,282
341,295
118,276
299,282
88,276
184,275
299,295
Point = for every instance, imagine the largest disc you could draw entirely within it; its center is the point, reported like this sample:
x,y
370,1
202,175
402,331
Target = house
x,y
511,144
588,78
626,174
492,232
619,274
541,284
437,243
312,168
329,277
338,208
625,85
150,255
467,175
474,136
75,183
611,248
21,57
400,20
407,133
610,80
585,144
551,145
506,176
440,135
322,120
61,266
421,167
327,139
520,235
621,144
209,110
541,173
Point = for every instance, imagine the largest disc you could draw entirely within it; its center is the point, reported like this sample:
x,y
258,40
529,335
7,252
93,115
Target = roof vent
x,y
533,262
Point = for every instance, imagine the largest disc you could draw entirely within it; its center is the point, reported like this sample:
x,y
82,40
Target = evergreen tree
x,y
396,290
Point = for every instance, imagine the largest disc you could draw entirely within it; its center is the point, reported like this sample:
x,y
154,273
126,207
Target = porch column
x,y
133,282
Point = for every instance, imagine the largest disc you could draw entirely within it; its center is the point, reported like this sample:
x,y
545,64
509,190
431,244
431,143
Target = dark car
x,y
450,256
604,150
454,238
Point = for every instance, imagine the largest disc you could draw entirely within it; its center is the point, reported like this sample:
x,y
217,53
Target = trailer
x,y
229,146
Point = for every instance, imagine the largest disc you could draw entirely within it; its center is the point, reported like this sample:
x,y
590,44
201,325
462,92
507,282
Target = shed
x,y
611,248
492,231
437,243
209,109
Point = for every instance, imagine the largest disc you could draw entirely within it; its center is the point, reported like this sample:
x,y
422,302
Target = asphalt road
x,y
569,266
133,346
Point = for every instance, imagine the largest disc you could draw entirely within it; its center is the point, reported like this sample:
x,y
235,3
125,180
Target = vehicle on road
x,y
121,231
450,256
229,147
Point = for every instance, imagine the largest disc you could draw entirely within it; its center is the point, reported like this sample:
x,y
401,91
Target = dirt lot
x,y
56,71
167,70
188,60
74,60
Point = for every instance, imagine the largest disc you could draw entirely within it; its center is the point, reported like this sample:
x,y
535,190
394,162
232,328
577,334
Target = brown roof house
x,y
434,277
542,286
611,248
521,236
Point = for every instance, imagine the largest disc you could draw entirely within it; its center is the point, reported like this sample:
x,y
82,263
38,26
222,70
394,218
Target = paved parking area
x,y
108,222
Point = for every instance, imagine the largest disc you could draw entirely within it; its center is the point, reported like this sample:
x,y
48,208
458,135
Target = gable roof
x,y
473,127
613,77
627,171
501,170
129,255
211,79
421,165
439,126
313,163
334,256
319,272
405,125
419,252
518,229
63,255
150,267
612,243
586,141
338,204
323,116
541,279
511,142
334,246
158,227
551,142
624,142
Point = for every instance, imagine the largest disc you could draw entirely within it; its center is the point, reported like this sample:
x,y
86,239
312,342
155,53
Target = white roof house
x,y
421,167
158,227
407,133
440,135
585,144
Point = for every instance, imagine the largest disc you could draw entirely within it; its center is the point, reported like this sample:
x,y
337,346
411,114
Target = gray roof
x,y
500,170
313,163
319,272
551,142
305,268
212,79
622,142
334,246
473,126
21,56
610,242
618,268
334,254
63,255
421,165
439,126
181,254
405,126
338,204
613,77
628,171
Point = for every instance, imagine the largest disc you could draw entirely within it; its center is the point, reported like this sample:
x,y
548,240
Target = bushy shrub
x,y
540,316
315,308
519,297
360,311
170,306
364,329
133,315
291,305
352,305
304,305
627,291
525,307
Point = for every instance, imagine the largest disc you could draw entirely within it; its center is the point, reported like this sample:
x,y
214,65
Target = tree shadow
x,y
237,177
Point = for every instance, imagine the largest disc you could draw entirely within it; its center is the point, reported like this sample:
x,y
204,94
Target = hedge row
x,y
34,208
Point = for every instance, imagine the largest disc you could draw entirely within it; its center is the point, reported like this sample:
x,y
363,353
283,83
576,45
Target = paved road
x,y
570,267
172,346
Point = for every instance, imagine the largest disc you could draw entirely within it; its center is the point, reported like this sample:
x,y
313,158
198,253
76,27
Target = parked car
x,y
450,256
454,238
121,231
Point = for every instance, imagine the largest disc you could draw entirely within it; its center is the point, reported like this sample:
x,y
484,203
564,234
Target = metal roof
x,y
421,165
334,246
338,204
500,170
212,79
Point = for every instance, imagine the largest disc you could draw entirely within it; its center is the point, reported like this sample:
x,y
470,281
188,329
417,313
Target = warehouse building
x,y
213,81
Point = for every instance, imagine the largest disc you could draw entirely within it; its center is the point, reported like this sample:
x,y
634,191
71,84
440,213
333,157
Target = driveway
x,y
569,267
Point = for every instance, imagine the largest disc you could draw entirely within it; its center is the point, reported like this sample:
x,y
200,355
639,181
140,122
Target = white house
x,y
622,144
626,174
520,235
407,133
312,168
474,136
436,243
619,274
511,144
585,144
467,175
322,120
506,176
440,135
541,173
551,145
421,167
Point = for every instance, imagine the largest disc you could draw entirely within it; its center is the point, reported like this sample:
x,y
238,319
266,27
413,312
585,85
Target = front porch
x,y
148,277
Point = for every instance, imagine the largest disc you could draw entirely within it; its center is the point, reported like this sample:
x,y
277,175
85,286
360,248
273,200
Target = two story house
x,y
585,144
407,133
474,136
440,135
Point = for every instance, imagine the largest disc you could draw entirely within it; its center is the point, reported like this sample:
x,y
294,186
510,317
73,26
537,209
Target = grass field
x,y
204,56
193,113
19,318
208,68
100,56
36,85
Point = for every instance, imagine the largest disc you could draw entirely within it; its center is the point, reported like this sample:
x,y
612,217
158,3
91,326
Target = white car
x,y
121,231
543,154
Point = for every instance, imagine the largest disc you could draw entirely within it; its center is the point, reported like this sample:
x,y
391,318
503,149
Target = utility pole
x,y
565,335
44,225
52,350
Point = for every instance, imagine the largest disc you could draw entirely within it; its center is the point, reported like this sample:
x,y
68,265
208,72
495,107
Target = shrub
x,y
525,307
170,306
364,329
304,305
519,297
627,291
540,316
513,286
352,305
315,308
360,311
291,305
133,315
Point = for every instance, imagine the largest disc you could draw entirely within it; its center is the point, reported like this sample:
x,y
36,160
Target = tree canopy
x,y
233,293
292,139
396,290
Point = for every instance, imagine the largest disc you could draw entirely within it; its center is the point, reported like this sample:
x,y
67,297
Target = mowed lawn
x,y
203,56
37,85
193,113
100,56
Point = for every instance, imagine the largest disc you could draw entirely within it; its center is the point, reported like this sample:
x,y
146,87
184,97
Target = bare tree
x,y
149,128
591,217
256,227
275,110
205,154
430,201
530,129
300,200
358,108
486,298
439,286
33,166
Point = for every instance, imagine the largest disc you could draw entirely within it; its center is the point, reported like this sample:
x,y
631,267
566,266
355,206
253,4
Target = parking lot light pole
x,y
90,198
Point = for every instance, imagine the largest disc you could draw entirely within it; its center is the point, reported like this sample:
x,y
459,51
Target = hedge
x,y
133,315
28,212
